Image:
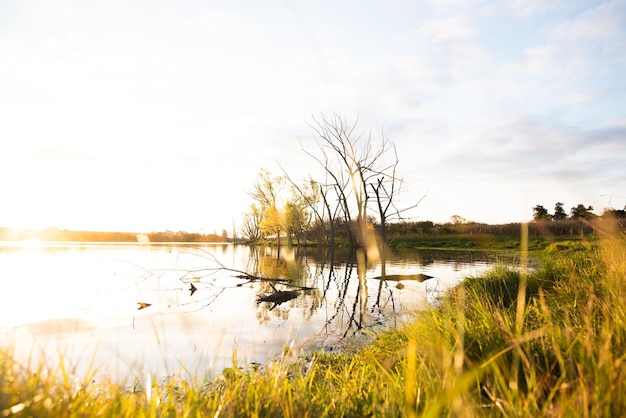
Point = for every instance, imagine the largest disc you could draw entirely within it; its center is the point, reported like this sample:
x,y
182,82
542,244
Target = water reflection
x,y
167,307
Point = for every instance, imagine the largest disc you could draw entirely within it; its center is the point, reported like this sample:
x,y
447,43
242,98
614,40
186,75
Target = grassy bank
x,y
462,241
495,237
548,343
475,236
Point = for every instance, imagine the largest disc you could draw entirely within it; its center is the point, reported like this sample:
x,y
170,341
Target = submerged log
x,y
398,277
252,278
278,297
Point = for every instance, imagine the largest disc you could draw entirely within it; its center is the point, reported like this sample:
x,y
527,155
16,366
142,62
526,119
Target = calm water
x,y
79,302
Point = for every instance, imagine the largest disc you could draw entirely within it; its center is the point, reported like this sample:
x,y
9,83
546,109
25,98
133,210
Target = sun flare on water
x,y
31,243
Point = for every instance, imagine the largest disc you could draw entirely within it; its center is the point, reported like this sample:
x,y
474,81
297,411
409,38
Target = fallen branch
x,y
398,277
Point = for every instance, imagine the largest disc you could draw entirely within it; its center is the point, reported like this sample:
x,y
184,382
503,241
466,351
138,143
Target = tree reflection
x,y
340,290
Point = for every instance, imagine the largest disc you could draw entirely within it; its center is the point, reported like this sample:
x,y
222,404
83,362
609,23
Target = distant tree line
x,y
64,235
576,226
561,229
579,211
182,236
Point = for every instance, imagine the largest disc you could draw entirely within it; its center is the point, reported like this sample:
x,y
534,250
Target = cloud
x,y
575,48
605,21
450,29
538,151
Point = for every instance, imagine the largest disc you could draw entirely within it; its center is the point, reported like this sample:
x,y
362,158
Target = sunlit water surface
x,y
78,303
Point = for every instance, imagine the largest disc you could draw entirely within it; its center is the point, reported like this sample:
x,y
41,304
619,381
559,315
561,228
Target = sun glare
x,y
31,243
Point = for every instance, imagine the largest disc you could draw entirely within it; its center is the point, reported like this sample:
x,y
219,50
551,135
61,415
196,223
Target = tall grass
x,y
547,342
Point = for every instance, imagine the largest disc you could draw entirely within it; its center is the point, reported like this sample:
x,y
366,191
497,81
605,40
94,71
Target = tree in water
x,y
251,228
358,172
265,193
273,214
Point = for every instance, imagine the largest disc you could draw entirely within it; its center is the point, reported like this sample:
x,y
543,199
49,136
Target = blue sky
x,y
157,115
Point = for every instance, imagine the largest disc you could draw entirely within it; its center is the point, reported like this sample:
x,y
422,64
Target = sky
x,y
158,115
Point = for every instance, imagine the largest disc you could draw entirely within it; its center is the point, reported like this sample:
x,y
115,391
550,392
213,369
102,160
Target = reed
x,y
557,347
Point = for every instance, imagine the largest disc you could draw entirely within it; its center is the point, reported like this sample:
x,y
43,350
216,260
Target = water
x,y
79,303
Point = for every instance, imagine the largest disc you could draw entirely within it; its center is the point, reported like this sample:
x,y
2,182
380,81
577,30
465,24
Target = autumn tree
x,y
296,216
311,198
265,193
275,213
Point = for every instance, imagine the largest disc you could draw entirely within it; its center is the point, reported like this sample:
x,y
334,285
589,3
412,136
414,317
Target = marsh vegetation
x,y
546,341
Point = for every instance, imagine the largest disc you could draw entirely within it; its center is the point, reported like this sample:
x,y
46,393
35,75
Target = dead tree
x,y
386,189
351,162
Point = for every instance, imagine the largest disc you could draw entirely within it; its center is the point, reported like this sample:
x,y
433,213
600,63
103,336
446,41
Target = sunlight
x,y
24,237
31,243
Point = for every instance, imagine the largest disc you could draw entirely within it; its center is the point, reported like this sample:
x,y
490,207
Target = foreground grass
x,y
548,343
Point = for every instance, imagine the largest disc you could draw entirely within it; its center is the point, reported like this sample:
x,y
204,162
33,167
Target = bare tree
x,y
386,189
355,169
251,228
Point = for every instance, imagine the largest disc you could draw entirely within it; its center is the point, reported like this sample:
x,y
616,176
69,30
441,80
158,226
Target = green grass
x,y
464,241
551,342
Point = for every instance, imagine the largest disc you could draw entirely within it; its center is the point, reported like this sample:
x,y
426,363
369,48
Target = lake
x,y
182,309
